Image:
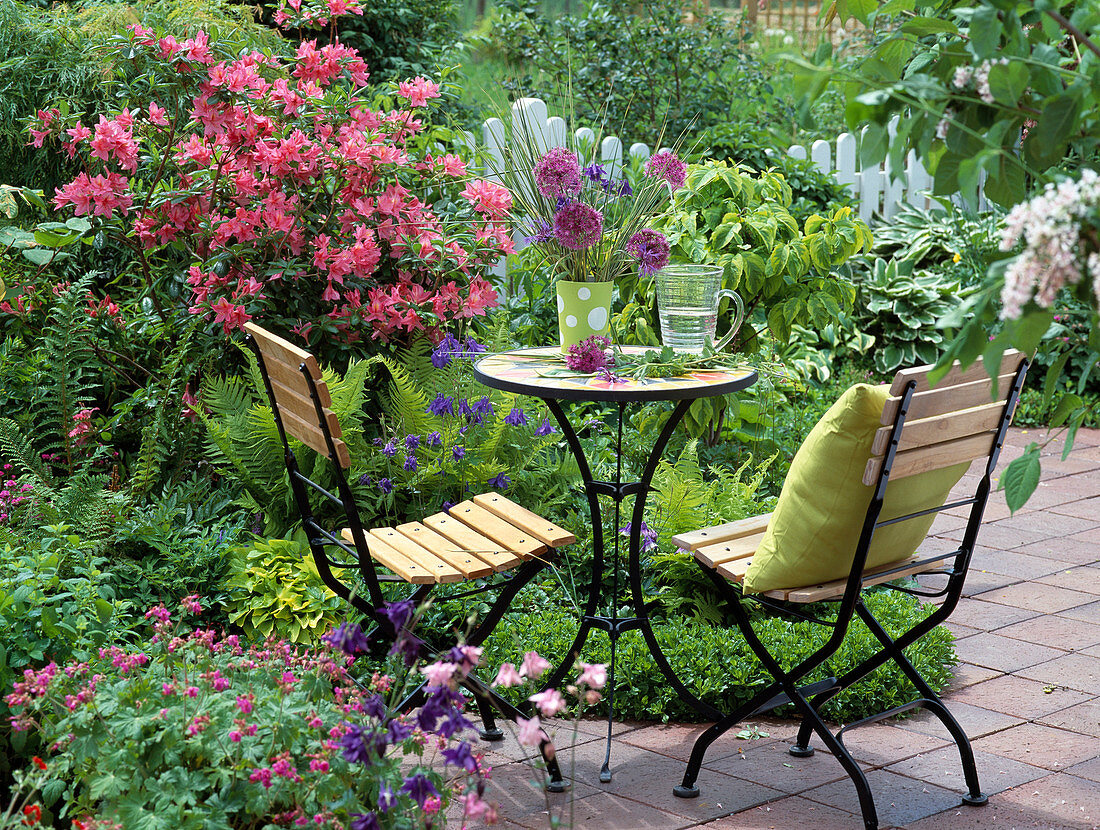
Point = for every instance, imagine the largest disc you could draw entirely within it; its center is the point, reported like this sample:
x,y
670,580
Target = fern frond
x,y
407,402
17,451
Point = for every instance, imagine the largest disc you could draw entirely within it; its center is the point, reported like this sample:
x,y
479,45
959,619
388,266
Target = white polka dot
x,y
597,318
571,322
561,304
584,293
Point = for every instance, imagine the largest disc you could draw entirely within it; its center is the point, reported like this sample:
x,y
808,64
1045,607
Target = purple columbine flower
x,y
484,406
558,173
365,821
412,442
472,348
448,348
442,405
375,707
434,439
649,536
578,226
545,428
500,482
624,189
667,165
365,479
397,730
460,755
542,231
399,613
411,463
594,172
390,450
458,452
348,638
650,248
385,485
356,746
386,798
517,417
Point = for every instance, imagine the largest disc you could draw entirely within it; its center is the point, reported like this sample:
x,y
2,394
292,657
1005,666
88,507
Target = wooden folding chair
x,y
924,428
485,535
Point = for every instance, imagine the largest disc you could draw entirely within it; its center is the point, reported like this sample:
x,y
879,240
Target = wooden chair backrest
x,y
285,365
955,420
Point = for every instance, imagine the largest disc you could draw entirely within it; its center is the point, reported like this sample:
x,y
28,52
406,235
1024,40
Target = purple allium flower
x,y
667,165
420,788
412,442
650,248
442,405
434,439
448,348
516,417
558,173
385,485
458,452
578,226
545,428
390,450
500,482
461,756
411,463
348,638
588,355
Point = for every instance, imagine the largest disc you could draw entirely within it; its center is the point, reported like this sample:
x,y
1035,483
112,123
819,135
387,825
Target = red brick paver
x,y
1027,691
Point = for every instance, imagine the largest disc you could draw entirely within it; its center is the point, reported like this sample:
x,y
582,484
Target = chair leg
x,y
687,788
932,702
489,730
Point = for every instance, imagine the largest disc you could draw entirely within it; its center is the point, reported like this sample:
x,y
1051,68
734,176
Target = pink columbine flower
x,y
549,702
439,674
533,665
508,676
593,675
530,731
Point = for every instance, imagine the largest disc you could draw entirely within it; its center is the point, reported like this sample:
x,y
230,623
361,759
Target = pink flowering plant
x,y
194,729
251,184
588,220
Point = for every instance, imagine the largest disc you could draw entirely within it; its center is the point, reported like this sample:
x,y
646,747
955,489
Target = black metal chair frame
x,y
319,539
809,698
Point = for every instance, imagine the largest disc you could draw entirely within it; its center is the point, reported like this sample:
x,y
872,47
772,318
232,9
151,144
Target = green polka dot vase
x,y
584,309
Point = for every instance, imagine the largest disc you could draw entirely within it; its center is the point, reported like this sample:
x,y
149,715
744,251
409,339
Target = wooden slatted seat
x,y
929,434
478,539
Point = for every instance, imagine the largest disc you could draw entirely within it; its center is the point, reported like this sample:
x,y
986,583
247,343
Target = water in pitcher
x,y
686,329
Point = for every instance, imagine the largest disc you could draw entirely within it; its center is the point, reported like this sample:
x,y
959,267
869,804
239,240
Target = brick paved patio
x,y
1027,691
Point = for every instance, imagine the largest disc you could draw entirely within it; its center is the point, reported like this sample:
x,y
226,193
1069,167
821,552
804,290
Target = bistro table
x,y
537,372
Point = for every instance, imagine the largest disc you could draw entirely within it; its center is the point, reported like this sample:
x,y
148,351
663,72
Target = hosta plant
x,y
901,307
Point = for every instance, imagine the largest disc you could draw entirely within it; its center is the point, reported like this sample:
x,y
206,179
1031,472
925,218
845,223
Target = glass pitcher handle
x,y
738,318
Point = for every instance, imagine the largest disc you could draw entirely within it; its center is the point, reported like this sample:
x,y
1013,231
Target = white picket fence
x,y
875,190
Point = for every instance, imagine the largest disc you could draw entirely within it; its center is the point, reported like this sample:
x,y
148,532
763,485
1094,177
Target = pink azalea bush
x,y
258,185
193,729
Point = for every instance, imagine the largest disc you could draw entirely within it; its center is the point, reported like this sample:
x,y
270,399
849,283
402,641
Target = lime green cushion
x,y
817,522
